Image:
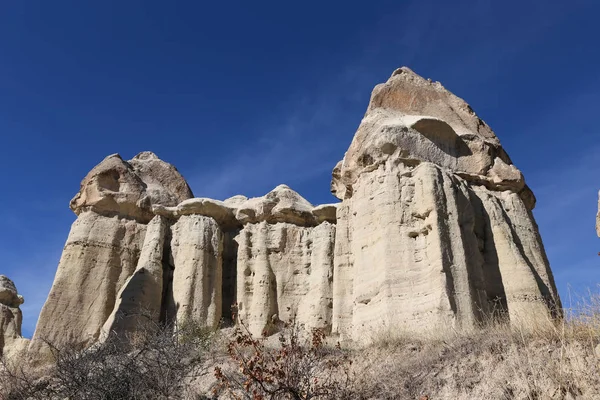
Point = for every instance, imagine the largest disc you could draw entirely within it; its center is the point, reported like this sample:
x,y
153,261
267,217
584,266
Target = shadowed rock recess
x,y
433,230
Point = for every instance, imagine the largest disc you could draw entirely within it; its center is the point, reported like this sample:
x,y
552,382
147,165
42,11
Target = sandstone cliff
x,y
434,230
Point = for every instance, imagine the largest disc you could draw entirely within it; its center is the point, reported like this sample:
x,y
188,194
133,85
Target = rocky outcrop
x,y
139,302
434,231
12,344
106,246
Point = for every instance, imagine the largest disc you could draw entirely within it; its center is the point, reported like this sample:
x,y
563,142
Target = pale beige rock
x,y
100,255
410,118
12,344
114,205
218,210
129,189
285,270
197,249
516,267
435,230
235,201
164,184
138,304
8,293
282,204
434,233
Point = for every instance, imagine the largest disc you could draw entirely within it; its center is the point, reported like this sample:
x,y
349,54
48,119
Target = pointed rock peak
x,y
146,155
412,119
235,201
410,94
283,186
405,70
114,155
284,191
281,204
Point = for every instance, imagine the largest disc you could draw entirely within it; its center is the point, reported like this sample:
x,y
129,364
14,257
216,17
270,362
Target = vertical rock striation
x,y
435,228
139,302
197,249
114,206
434,231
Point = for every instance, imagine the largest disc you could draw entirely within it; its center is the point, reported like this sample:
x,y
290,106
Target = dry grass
x,y
556,361
553,361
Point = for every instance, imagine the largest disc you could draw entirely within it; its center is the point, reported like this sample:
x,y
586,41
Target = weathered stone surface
x,y
164,184
12,344
129,189
8,293
433,222
114,206
138,304
285,270
282,204
100,255
215,209
412,119
197,248
434,232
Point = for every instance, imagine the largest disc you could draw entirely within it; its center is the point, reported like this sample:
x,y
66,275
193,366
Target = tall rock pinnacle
x,y
434,229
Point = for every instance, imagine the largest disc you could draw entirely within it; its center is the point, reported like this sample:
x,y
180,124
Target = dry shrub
x,y
155,364
557,360
300,367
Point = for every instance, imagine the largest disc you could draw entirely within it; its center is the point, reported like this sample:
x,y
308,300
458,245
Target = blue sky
x,y
242,96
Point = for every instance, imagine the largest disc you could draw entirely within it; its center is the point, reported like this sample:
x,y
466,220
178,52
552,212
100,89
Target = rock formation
x,y
106,247
435,227
11,341
434,230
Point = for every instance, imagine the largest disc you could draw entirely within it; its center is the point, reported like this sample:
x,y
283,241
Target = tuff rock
x,y
12,344
433,231
435,227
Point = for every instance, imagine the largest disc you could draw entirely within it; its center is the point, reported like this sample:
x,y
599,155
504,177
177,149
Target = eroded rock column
x,y
197,251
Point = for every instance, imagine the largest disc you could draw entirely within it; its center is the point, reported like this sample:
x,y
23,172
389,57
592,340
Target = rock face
x,y
11,341
285,271
107,244
434,231
435,227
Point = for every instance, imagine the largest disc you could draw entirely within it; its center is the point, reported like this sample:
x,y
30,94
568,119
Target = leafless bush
x,y
301,367
158,364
